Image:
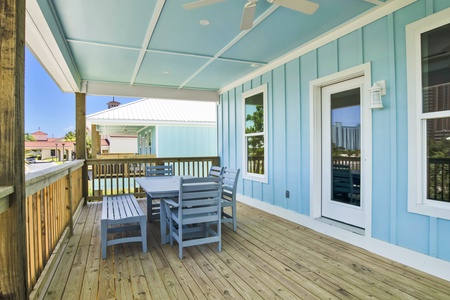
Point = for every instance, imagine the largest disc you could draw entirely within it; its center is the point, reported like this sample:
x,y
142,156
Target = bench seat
x,y
122,213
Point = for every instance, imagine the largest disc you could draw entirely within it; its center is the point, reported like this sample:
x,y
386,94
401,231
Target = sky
x,y
50,110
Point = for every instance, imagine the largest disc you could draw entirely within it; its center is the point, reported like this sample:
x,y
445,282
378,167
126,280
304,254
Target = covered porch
x,y
267,258
288,55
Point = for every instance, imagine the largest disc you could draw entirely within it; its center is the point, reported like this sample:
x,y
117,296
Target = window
x,y
255,134
428,44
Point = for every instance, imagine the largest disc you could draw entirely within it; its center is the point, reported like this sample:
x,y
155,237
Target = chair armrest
x,y
171,202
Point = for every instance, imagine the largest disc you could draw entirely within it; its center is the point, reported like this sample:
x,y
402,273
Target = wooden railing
x,y
52,196
116,176
353,162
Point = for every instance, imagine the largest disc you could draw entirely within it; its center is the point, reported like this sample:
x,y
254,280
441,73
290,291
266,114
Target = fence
x,y
116,176
52,196
438,179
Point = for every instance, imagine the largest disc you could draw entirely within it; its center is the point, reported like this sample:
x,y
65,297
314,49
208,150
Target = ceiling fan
x,y
303,6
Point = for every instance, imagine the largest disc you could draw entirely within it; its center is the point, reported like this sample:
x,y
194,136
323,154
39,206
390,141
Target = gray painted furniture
x,y
154,205
118,211
345,184
215,171
161,187
195,215
230,180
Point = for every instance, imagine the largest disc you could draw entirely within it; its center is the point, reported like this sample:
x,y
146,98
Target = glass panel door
x,y
341,152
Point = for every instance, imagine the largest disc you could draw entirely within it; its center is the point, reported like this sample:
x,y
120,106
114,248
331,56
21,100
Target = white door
x,y
341,152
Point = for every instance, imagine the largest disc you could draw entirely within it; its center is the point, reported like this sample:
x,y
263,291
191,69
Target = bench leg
x,y
104,233
149,208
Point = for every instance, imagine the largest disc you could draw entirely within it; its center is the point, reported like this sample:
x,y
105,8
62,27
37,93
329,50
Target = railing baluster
x,y
116,176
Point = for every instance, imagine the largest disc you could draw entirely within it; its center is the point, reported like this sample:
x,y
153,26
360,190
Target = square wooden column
x,y
12,152
96,145
81,149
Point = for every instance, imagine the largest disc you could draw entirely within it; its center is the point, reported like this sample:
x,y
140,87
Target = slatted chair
x,y
195,215
344,188
153,210
215,171
230,180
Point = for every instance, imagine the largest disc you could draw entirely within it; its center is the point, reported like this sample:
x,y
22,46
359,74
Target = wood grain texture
x,y
267,258
12,154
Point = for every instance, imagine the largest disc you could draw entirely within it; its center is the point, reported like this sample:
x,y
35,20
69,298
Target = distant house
x,y
56,148
165,128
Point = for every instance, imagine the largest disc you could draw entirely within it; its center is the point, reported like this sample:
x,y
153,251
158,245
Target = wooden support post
x,y
12,152
96,146
80,118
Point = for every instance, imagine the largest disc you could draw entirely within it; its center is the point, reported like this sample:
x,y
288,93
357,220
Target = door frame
x,y
315,88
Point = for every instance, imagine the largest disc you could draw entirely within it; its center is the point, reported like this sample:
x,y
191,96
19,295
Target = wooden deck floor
x,y
268,258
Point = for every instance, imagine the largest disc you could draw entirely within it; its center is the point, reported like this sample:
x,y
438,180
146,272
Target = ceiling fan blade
x,y
248,15
303,6
200,3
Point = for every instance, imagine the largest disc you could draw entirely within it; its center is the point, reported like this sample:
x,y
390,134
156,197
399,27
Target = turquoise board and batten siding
x,y
383,43
186,141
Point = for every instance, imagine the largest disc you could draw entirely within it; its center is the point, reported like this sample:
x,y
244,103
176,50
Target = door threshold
x,y
345,226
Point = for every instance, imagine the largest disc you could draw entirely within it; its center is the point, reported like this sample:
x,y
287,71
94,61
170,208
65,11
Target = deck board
x,y
267,258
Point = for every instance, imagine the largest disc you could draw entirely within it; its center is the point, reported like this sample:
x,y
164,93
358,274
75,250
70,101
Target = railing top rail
x,y
34,181
147,159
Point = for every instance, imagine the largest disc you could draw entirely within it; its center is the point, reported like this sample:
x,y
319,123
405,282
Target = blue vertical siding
x,y
267,189
383,44
279,135
293,134
350,50
178,141
308,72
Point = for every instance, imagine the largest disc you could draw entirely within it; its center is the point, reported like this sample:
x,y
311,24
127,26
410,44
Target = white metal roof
x,y
158,112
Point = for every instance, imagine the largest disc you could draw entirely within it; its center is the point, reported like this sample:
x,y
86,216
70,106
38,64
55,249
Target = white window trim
x,y
251,176
417,199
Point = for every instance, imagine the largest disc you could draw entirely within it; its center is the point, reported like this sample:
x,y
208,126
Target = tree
x,y
70,136
255,144
29,137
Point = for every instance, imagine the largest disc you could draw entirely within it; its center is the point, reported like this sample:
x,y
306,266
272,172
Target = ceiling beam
x,y
185,54
42,44
148,36
140,91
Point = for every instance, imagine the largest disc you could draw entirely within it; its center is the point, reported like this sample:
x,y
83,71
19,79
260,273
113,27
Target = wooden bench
x,y
118,211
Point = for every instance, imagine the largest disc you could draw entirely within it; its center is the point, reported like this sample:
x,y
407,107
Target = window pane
x,y
255,154
438,156
436,69
254,113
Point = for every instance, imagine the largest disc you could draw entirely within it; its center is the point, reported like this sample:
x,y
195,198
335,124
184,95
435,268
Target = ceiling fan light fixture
x,y
204,22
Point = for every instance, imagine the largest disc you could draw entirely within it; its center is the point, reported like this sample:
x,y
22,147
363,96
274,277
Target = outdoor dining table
x,y
158,187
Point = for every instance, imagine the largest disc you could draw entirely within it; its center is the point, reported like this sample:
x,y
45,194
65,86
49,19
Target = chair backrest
x,y
215,171
159,170
342,179
230,179
200,199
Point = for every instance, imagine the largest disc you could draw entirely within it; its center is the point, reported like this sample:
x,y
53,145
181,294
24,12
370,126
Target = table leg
x,y
162,221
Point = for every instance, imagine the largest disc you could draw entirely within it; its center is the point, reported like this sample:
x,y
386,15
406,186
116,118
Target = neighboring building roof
x,y
159,111
39,133
50,143
104,142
